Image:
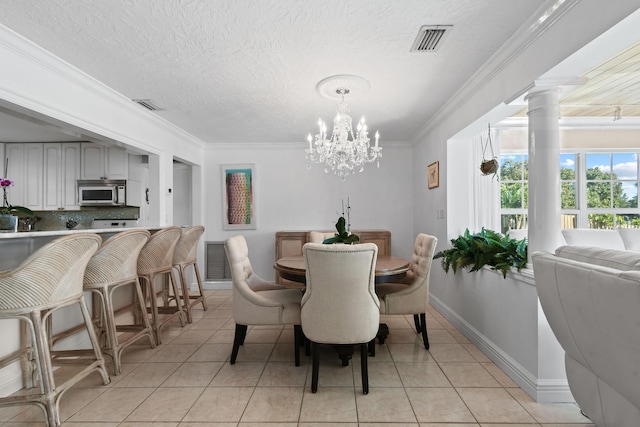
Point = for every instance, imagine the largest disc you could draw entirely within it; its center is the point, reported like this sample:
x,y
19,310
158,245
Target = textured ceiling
x,y
246,70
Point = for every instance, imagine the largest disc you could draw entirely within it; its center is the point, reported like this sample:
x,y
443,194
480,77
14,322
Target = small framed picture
x,y
433,175
238,192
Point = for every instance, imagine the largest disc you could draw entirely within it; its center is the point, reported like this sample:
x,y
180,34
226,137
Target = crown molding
x,y
540,22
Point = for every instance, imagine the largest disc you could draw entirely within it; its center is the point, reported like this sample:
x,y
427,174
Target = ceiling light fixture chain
x,y
345,153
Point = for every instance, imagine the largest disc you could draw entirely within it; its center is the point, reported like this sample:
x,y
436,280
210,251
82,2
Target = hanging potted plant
x,y
489,166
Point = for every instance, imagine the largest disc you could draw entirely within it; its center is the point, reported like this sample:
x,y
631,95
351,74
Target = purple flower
x,y
6,182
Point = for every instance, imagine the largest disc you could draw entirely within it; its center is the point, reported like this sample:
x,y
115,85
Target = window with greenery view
x,y
598,190
612,190
514,174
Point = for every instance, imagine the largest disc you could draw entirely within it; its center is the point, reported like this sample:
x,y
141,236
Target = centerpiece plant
x,y
343,226
487,247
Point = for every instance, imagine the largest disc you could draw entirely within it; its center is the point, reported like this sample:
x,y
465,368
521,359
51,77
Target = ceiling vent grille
x,y
430,38
148,104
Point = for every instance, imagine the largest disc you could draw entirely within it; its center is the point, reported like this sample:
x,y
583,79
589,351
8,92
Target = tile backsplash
x,y
57,220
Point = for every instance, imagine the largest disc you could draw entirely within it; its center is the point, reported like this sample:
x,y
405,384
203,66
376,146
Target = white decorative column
x,y
544,171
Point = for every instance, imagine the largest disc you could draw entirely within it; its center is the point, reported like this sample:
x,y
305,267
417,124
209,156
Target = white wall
x,y
288,196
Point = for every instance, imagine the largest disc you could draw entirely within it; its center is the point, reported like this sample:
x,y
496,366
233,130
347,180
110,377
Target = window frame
x,y
581,211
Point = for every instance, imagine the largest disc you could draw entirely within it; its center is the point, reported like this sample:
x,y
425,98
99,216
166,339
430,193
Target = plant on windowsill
x,y
343,227
484,248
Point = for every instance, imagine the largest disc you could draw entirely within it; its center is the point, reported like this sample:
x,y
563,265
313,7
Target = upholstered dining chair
x,y
340,305
411,296
185,255
49,279
111,268
319,236
156,261
258,302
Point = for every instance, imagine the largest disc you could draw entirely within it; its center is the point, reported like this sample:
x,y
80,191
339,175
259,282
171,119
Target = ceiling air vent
x,y
430,38
148,104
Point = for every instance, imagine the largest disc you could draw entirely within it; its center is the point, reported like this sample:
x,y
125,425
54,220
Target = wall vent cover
x,y
430,38
148,104
217,266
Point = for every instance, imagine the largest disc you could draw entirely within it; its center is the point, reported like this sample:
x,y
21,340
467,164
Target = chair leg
x,y
297,338
425,337
199,281
186,296
371,348
93,338
416,321
315,369
364,368
174,285
238,340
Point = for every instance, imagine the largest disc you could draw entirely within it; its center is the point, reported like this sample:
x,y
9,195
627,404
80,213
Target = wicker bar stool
x,y
51,278
112,267
156,261
185,255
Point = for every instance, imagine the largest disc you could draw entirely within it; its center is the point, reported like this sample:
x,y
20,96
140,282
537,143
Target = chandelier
x,y
344,153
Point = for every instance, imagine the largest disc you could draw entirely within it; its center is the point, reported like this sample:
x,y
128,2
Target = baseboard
x,y
542,391
10,380
218,285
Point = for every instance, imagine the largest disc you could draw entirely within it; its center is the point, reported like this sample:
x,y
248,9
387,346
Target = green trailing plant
x,y
487,247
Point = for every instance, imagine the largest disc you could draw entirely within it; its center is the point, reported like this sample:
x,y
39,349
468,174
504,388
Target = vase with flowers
x,y
9,213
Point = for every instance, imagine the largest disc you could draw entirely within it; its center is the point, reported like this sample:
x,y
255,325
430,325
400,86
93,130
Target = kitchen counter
x,y
56,233
16,247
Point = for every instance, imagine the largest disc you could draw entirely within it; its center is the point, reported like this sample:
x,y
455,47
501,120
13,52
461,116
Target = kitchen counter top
x,y
50,233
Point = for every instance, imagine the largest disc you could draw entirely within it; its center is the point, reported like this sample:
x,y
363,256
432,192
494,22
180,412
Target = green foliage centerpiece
x,y
484,248
343,226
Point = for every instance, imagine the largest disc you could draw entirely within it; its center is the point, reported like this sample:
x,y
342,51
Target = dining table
x,y
388,269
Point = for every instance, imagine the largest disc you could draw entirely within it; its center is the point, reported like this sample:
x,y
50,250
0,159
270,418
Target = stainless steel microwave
x,y
102,192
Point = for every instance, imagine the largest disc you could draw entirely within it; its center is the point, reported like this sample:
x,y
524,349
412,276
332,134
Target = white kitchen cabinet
x,y
100,162
24,168
61,171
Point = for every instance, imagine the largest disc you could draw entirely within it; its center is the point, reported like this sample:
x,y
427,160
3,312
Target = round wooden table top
x,y
387,268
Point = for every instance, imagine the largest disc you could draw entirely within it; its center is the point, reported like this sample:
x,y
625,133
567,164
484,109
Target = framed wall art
x,y
433,175
238,193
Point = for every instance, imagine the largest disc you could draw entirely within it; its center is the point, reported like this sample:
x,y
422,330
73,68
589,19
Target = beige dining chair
x,y
411,296
319,236
48,280
155,261
114,266
258,302
340,305
186,255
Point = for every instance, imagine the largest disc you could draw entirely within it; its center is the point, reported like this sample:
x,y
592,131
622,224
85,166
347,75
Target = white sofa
x,y
620,238
591,298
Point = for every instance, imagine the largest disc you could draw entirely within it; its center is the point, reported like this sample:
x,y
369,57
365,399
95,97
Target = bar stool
x,y
112,267
185,255
156,260
51,278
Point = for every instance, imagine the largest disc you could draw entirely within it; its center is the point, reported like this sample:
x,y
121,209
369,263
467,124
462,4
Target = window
x,y
612,190
598,190
514,173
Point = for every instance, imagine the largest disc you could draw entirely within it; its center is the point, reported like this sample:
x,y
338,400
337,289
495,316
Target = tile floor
x,y
188,382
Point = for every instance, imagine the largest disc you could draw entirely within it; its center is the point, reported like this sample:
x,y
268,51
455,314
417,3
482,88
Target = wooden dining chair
x,y
340,305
